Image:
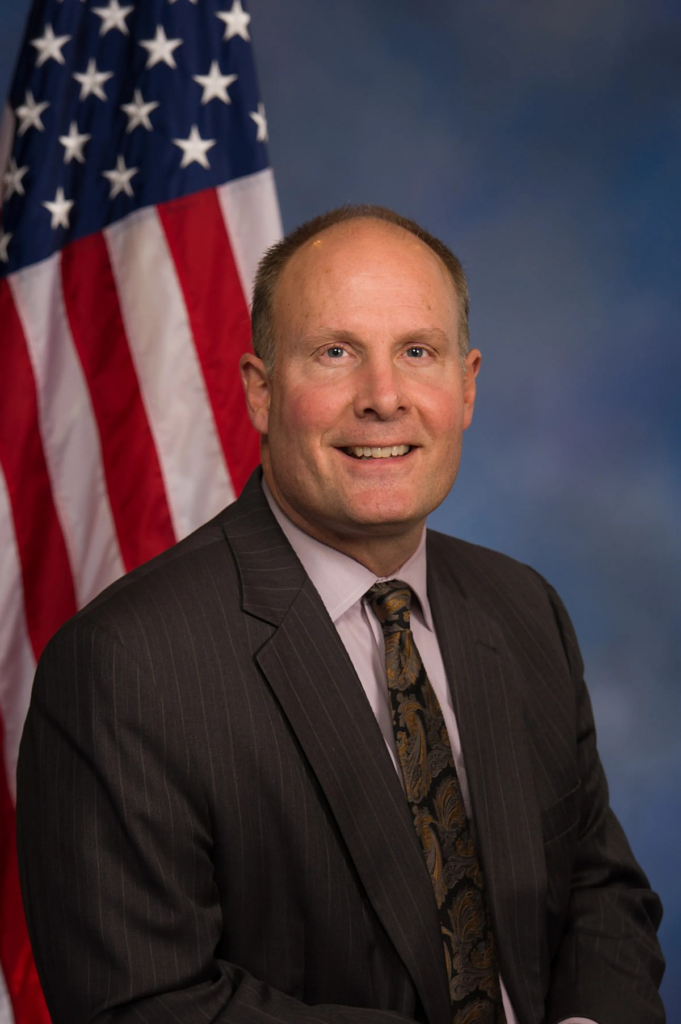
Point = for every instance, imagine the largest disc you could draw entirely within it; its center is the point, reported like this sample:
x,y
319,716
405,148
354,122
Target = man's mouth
x,y
386,452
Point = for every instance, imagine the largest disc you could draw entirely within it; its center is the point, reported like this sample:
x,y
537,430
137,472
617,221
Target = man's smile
x,y
393,451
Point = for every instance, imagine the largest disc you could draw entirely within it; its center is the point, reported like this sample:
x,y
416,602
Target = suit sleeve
x,y
114,837
609,964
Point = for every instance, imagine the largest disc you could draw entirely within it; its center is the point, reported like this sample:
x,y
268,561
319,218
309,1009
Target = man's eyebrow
x,y
419,336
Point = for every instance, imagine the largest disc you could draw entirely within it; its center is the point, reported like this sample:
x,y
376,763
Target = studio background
x,y
541,141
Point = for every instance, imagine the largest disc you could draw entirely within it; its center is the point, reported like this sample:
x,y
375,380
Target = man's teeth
x,y
362,452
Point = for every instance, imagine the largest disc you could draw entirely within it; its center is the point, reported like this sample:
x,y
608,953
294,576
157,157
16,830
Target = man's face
x,y
367,364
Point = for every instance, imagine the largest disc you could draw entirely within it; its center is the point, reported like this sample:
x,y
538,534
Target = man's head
x,y
361,423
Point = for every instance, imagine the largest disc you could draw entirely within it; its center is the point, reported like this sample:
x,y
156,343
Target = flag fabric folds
x,y
136,200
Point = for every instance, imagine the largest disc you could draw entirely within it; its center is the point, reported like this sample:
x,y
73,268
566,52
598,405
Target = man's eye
x,y
416,351
336,352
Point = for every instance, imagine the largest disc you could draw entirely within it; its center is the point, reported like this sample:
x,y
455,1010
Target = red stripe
x,y
16,957
219,318
48,584
131,464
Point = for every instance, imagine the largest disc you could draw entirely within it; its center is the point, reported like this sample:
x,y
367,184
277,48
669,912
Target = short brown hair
x,y
275,259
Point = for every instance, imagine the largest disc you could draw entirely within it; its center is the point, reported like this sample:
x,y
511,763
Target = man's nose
x,y
381,390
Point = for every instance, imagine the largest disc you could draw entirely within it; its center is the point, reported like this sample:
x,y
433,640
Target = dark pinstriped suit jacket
x,y
211,829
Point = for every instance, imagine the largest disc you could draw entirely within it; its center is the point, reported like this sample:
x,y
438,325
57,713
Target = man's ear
x,y
257,387
471,370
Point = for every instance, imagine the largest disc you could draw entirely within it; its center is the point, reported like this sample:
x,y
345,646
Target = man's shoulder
x,y
475,563
176,584
509,590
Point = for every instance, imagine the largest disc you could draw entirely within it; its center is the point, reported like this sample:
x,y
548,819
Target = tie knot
x,y
391,603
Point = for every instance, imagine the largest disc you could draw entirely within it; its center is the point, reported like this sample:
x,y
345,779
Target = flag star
x,y
119,178
160,48
259,117
92,81
236,21
5,238
49,47
194,148
13,180
138,112
60,209
73,144
29,114
215,84
113,16
190,1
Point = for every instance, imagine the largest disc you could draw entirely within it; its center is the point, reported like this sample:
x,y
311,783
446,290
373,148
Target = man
x,y
313,764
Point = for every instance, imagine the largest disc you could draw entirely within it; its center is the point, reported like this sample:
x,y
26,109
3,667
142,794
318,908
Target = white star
x,y
49,47
60,209
13,180
259,117
236,21
194,148
73,144
119,178
138,112
92,81
190,1
5,237
29,114
113,16
160,48
214,84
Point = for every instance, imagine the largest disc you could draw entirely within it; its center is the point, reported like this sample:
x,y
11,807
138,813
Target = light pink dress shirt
x,y
341,583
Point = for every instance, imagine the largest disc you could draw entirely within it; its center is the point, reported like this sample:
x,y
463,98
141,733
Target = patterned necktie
x,y
434,794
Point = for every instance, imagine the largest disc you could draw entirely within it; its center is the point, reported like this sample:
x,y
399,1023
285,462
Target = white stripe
x,y
6,139
170,377
6,1011
69,430
251,212
17,663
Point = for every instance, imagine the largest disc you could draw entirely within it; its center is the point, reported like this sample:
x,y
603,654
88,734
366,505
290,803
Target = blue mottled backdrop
x,y
542,141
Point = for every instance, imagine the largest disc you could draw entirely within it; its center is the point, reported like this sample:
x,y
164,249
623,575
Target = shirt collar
x,y
340,580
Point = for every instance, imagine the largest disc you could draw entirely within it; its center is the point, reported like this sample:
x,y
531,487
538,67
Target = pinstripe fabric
x,y
211,829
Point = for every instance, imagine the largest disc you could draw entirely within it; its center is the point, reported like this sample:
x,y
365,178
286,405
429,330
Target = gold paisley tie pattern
x,y
434,793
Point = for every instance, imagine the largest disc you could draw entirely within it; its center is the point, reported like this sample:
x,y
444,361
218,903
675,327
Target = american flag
x,y
136,200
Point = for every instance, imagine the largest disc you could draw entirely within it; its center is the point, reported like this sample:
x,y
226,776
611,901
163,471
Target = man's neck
x,y
383,550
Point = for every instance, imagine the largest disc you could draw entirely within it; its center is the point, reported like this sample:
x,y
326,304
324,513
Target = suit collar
x,y
270,572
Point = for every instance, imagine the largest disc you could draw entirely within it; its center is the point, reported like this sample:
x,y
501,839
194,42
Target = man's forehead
x,y
357,236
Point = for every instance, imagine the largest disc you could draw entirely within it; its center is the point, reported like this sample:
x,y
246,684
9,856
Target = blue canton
x,y
124,105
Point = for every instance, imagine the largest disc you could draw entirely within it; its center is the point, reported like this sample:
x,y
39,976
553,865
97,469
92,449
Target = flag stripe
x,y
17,660
172,385
219,318
68,430
16,957
251,212
48,585
141,514
6,1012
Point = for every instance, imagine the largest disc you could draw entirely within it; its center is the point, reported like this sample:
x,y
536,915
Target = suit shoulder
x,y
506,588
170,588
476,561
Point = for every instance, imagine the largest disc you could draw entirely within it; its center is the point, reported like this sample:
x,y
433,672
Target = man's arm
x,y
609,964
115,842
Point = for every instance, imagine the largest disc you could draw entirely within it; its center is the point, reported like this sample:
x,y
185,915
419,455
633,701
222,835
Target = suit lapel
x,y
306,664
487,700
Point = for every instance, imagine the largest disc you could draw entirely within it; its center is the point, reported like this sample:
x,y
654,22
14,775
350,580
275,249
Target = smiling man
x,y
316,763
